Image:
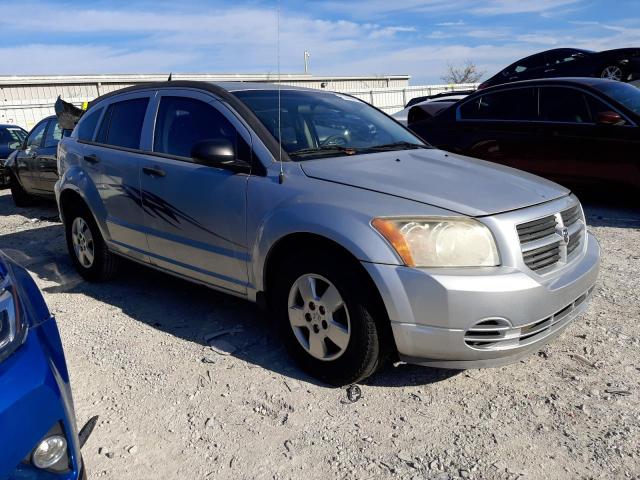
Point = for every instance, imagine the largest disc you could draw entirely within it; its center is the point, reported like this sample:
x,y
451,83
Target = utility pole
x,y
306,61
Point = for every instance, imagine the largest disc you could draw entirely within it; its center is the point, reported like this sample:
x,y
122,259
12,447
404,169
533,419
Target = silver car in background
x,y
365,243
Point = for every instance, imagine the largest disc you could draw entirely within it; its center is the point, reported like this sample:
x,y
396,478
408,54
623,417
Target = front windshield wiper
x,y
322,150
397,146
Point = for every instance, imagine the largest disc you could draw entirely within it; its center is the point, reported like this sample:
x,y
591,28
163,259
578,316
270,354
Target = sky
x,y
343,37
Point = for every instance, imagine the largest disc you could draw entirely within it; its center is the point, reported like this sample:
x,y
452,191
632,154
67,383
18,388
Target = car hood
x,y
460,184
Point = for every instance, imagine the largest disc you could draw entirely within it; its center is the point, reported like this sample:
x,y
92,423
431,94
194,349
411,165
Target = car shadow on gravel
x,y
41,210
180,308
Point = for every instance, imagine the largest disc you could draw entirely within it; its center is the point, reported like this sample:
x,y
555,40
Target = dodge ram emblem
x,y
565,234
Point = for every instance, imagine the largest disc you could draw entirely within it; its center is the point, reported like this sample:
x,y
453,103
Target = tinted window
x,y
54,134
35,137
11,135
122,123
183,122
525,64
623,93
87,125
559,104
514,104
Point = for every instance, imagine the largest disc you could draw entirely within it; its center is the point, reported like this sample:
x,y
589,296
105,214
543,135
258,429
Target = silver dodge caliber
x,y
365,243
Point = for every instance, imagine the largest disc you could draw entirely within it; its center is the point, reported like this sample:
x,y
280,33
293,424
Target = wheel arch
x,y
295,242
71,197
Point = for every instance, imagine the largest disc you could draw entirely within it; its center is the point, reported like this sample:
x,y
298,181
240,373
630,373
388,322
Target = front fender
x,y
11,166
347,227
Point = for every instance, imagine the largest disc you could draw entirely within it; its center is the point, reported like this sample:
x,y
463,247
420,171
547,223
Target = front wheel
x,y
328,318
87,249
612,72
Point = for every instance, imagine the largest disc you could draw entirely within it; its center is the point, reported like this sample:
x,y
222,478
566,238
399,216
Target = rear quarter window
x,y
87,125
122,123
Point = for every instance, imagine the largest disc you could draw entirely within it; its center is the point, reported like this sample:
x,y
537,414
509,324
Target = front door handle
x,y
154,171
91,158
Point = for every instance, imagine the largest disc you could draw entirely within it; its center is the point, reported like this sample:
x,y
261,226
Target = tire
x,y
359,313
89,253
20,196
613,72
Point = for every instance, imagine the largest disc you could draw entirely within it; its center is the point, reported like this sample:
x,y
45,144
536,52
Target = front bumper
x,y
431,311
34,398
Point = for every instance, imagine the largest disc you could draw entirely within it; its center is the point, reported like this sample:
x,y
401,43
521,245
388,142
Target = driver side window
x,y
182,122
34,140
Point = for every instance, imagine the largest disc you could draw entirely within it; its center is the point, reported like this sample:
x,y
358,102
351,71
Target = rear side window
x,y
122,123
87,125
565,105
35,136
54,134
182,122
516,104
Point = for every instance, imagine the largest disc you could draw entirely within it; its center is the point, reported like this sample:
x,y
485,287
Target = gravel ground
x,y
171,407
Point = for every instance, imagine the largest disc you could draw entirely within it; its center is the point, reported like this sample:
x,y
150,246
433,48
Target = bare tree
x,y
467,73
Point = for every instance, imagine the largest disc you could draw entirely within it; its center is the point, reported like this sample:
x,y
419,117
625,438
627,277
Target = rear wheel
x,y
20,196
328,318
88,251
612,72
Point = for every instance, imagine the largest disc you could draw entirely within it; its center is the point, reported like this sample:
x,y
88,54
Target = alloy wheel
x,y
83,244
612,73
319,317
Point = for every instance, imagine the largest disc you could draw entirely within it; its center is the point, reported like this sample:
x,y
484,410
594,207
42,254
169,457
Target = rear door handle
x,y
91,158
154,171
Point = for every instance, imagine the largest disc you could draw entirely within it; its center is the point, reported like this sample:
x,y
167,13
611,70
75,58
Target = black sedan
x,y
622,64
572,130
11,137
32,168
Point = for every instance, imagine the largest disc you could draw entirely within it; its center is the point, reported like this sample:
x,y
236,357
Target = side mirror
x,y
14,145
610,118
219,154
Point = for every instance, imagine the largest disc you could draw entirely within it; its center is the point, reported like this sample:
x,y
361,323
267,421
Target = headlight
x,y
12,328
440,241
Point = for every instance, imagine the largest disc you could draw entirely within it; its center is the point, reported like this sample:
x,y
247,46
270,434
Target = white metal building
x,y
25,100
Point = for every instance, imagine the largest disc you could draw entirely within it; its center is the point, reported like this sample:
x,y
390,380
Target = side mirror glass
x,y
220,154
610,118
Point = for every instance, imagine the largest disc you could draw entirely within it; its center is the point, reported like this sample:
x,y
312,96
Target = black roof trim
x,y
245,112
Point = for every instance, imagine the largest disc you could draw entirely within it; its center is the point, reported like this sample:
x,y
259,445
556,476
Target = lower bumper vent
x,y
498,334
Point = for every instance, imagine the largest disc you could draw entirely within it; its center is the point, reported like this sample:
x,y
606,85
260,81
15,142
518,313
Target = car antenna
x,y
281,175
170,75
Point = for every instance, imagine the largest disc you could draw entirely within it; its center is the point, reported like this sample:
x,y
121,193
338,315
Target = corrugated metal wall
x,y
26,100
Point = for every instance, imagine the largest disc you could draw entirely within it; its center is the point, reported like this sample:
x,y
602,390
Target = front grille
x,y
498,334
543,246
537,229
570,216
542,257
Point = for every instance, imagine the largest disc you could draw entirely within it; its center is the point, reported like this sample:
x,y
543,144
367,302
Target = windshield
x,y
316,124
623,93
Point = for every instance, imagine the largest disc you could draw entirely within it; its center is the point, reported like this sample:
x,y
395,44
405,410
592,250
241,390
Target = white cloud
x,y
450,24
508,7
242,39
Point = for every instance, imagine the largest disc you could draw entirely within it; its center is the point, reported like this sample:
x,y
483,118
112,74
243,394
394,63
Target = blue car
x,y
38,435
